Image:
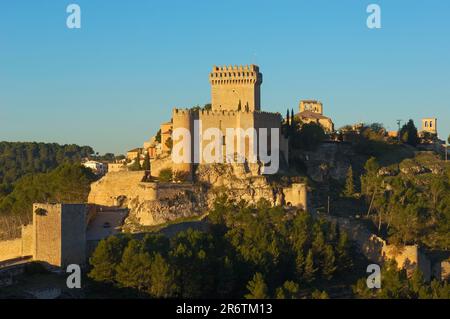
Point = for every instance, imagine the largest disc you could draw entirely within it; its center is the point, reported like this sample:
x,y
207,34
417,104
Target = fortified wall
x,y
57,236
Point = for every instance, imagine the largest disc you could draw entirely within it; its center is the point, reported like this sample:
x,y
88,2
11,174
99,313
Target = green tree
x,y
69,183
289,290
158,136
408,134
307,137
349,190
105,259
166,175
329,262
162,278
132,272
317,294
310,269
257,288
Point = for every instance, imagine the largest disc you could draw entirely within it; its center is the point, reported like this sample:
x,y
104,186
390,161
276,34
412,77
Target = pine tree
x,y
162,278
132,271
310,270
317,294
105,258
288,121
292,119
328,263
349,183
289,290
257,288
408,134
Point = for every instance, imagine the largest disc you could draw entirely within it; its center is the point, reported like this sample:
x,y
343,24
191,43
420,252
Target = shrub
x,y
166,175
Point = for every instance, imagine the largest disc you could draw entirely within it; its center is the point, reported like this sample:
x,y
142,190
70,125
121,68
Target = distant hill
x,y
18,159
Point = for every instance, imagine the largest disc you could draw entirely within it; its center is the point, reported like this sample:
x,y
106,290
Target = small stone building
x,y
311,111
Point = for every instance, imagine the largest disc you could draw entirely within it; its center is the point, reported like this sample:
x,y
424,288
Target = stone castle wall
x,y
10,249
224,120
27,240
73,234
19,247
47,233
115,189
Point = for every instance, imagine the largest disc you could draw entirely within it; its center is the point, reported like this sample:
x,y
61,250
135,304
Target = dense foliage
x,y
410,201
18,159
395,284
250,251
68,183
304,136
408,134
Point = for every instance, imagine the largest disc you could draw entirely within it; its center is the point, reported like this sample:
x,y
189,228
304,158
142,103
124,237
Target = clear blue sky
x,y
110,84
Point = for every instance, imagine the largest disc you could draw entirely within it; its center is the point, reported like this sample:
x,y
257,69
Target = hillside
x,y
18,159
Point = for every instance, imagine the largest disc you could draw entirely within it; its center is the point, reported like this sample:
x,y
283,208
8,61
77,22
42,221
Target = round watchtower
x,y
183,125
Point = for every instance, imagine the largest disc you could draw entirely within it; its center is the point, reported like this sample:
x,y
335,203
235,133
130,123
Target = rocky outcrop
x,y
239,182
157,203
175,201
330,160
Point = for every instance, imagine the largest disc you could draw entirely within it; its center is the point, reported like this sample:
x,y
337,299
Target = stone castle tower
x,y
235,93
234,88
59,234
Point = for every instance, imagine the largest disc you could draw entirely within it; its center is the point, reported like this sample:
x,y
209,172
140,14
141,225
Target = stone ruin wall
x,y
19,247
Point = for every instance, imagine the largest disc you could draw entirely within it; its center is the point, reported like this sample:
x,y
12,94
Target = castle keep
x,y
236,96
236,88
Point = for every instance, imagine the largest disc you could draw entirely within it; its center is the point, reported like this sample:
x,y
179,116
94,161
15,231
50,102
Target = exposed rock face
x,y
158,203
174,201
330,160
238,181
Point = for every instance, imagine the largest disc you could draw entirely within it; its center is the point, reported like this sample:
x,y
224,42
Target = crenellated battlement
x,y
178,112
236,87
226,75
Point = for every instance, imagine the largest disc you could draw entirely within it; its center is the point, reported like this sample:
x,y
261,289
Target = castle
x,y
236,104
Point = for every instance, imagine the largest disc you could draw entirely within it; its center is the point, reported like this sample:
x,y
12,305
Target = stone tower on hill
x,y
235,93
59,234
236,88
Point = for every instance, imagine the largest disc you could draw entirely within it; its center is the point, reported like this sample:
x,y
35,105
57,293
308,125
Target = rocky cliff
x,y
157,203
